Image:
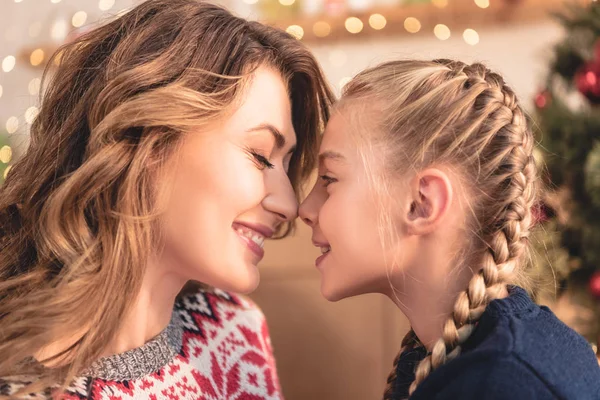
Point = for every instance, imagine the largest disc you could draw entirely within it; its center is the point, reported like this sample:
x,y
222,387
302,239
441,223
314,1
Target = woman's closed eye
x,y
261,160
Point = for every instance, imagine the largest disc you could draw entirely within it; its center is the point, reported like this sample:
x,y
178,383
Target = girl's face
x,y
231,190
342,210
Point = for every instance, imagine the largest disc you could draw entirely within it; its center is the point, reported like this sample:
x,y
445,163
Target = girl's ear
x,y
431,197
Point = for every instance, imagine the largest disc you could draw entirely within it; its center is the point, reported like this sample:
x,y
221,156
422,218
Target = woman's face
x,y
342,211
231,190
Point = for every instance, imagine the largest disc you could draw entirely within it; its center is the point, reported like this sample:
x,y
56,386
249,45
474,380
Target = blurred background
x,y
345,350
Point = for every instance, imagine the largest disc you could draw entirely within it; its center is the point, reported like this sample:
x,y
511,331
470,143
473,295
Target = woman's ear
x,y
431,197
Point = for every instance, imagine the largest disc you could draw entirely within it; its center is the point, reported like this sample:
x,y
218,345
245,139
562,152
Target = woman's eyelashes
x,y
261,161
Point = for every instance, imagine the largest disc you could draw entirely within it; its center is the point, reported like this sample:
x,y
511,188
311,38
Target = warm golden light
x,y
1,91
5,154
79,19
296,31
34,86
321,29
471,37
250,1
482,3
440,3
8,63
354,25
441,32
6,171
106,5
286,2
412,25
30,114
12,124
377,21
59,30
36,57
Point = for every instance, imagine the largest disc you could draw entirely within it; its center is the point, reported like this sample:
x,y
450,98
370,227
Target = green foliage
x,y
570,137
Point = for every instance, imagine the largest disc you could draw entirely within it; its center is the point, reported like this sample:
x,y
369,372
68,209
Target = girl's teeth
x,y
326,249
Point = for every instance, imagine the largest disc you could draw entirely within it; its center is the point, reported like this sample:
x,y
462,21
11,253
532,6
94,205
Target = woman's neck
x,y
151,311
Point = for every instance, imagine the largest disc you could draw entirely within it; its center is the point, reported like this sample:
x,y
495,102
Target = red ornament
x,y
587,80
542,99
595,284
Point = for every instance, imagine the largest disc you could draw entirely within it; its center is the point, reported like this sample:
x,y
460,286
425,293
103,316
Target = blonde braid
x,y
407,343
508,168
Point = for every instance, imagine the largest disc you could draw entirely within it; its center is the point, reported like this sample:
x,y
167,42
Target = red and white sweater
x,y
217,347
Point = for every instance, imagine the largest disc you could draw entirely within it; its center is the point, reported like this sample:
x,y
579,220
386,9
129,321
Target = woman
x,y
170,144
427,180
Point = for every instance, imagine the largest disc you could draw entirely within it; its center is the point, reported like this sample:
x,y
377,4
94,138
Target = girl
x,y
169,146
426,186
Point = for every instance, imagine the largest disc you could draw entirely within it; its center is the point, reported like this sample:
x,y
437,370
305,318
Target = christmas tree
x,y
568,122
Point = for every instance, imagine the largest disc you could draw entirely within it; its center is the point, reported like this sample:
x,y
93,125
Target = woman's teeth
x,y
325,249
255,237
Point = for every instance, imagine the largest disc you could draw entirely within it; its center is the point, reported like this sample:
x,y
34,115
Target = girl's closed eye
x,y
327,180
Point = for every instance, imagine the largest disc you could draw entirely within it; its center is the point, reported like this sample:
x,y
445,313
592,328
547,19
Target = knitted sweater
x,y
216,347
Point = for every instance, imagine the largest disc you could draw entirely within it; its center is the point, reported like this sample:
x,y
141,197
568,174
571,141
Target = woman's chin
x,y
242,280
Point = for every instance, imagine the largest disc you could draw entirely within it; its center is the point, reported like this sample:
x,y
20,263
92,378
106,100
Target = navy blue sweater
x,y
519,351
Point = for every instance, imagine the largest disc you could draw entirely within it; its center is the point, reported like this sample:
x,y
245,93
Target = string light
x,y
34,86
354,25
377,21
471,37
59,30
440,3
8,63
296,31
321,29
344,81
286,2
250,1
106,5
5,154
12,124
441,32
55,1
18,1
412,25
6,171
79,19
30,114
482,3
35,29
1,90
36,57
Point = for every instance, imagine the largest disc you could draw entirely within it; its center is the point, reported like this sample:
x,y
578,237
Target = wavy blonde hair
x,y
78,210
463,116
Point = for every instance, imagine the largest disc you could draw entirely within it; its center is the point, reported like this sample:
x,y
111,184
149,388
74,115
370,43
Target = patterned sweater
x,y
216,347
